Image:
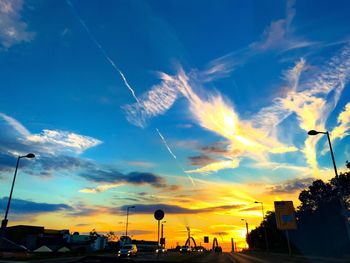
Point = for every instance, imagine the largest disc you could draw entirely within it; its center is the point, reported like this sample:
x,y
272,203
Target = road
x,y
196,258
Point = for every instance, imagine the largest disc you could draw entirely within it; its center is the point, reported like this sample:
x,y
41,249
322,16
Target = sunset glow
x,y
196,108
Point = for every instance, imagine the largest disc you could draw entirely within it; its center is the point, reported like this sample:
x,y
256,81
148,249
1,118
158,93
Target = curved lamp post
x,y
246,226
127,219
263,216
4,221
342,205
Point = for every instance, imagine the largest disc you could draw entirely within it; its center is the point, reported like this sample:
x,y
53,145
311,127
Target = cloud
x,y
153,103
277,33
17,127
315,99
113,176
343,124
291,186
216,166
254,208
12,29
20,206
174,209
200,160
47,165
278,36
56,152
216,148
15,139
311,96
219,116
7,162
87,211
54,140
100,188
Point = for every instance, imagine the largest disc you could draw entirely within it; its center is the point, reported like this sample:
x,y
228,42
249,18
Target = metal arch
x,y
215,243
188,241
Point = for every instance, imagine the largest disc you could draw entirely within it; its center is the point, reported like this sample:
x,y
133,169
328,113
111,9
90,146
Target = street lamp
x,y
342,205
263,216
4,221
127,219
246,226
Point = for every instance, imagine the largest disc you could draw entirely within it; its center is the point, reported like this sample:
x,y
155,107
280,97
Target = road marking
x,y
254,259
231,257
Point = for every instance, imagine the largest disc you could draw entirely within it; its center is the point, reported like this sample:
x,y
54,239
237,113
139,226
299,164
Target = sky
x,y
198,108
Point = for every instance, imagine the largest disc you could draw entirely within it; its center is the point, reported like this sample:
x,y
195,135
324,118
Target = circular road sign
x,y
159,214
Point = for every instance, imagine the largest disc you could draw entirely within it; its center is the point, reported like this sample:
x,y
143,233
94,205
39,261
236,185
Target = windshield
x,y
152,124
127,247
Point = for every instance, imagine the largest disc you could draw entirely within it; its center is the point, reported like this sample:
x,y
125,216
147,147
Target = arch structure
x,y
215,243
188,242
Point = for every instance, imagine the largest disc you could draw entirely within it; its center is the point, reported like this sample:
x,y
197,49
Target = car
x,y
185,249
161,250
199,249
129,250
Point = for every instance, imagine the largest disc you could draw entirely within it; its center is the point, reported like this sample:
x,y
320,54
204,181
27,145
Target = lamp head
x,y
312,132
29,155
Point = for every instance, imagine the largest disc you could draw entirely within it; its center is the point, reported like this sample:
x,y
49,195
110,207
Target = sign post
x,y
285,218
158,215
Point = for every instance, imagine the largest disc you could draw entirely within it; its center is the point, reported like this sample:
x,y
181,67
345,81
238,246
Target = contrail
x,y
111,62
174,156
166,144
103,51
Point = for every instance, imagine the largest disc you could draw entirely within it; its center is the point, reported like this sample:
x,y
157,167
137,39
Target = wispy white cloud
x,y
216,166
16,139
310,94
215,114
100,188
342,129
278,36
63,141
154,102
13,30
317,97
17,126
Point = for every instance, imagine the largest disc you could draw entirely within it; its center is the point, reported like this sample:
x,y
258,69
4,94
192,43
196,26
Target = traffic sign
x,y
159,214
285,215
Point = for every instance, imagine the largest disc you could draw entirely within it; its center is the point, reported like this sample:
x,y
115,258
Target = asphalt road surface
x,y
196,258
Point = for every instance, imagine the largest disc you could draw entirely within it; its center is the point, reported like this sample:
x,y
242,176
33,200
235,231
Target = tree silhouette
x,y
321,228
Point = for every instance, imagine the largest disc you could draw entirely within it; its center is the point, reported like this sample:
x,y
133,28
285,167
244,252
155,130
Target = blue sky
x,y
224,94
